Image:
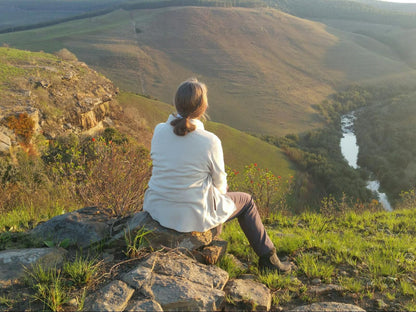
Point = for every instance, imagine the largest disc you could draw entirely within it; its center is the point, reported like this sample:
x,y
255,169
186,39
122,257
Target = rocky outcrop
x,y
5,142
60,96
92,225
168,277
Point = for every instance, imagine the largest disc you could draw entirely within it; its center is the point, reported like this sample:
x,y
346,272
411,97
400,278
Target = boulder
x,y
178,282
143,305
248,295
328,307
14,261
83,227
112,297
160,236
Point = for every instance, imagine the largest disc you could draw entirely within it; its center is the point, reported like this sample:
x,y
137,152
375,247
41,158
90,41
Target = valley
x,y
268,64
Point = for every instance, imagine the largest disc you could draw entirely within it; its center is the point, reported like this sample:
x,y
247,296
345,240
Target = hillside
x,y
240,149
264,68
64,96
60,94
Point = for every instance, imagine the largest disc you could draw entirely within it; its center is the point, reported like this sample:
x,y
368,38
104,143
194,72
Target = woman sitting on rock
x,y
188,188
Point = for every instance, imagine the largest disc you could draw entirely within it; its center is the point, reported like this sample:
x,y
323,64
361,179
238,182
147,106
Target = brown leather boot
x,y
271,262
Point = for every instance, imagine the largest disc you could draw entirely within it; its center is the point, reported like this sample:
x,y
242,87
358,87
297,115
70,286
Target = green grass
x,y
240,149
288,64
82,270
370,255
55,286
48,285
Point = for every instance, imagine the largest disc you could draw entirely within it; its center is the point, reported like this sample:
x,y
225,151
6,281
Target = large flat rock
x,y
14,261
178,282
82,228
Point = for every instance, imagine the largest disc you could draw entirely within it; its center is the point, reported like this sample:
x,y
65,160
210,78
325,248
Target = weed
x,y
63,244
408,289
48,285
312,267
117,179
277,281
410,306
352,284
137,243
81,301
81,271
227,264
6,301
390,296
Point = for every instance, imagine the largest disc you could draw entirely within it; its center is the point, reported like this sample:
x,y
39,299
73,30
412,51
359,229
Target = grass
x,y
240,149
54,287
82,270
370,255
288,63
134,245
48,286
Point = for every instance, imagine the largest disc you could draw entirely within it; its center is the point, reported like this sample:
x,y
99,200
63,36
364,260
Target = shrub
x,y
117,179
268,190
23,126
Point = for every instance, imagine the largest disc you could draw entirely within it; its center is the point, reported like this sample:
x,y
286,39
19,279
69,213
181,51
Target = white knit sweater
x,y
188,184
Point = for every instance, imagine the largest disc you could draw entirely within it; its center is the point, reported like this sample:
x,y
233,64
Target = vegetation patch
x,y
363,253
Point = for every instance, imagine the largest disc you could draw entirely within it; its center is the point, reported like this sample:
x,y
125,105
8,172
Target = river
x,y
350,149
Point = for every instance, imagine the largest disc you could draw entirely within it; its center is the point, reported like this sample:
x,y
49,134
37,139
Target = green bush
x,y
269,191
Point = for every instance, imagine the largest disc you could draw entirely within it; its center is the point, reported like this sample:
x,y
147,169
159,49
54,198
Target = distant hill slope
x,y
240,149
64,96
265,69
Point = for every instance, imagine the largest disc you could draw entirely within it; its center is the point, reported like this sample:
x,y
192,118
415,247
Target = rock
x,y
14,261
178,265
328,307
239,265
214,252
248,295
112,297
381,304
175,293
143,305
83,227
178,282
316,281
5,144
164,237
324,289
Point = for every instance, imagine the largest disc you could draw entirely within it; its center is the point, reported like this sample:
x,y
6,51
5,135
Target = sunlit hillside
x,y
240,149
264,68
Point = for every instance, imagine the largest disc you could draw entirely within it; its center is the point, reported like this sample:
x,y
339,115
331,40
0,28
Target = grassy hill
x,y
264,68
240,149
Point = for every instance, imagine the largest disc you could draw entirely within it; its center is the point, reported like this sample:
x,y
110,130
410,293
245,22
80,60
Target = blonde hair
x,y
191,101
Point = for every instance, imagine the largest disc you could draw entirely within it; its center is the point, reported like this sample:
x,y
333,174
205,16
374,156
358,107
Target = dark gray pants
x,y
250,223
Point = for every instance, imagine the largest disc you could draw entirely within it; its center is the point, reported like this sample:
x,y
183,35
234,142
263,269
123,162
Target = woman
x,y
188,188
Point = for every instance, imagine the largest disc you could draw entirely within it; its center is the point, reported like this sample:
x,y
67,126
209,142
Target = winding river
x,y
349,149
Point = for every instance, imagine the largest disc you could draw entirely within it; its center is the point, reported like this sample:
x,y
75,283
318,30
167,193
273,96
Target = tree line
x,y
344,9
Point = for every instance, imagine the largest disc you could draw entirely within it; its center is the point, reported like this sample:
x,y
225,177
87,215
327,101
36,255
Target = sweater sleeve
x,y
219,176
